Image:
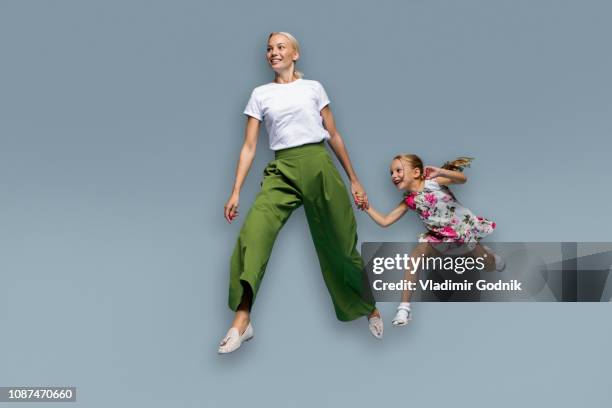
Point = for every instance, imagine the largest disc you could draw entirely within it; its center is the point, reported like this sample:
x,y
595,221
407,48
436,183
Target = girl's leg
x,y
403,315
423,249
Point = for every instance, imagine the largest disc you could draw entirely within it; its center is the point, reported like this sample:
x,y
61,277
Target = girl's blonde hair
x,y
296,46
415,161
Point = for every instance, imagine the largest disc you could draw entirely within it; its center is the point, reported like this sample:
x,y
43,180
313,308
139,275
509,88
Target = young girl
x,y
450,226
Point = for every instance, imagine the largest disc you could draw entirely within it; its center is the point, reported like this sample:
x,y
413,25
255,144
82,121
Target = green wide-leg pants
x,y
304,175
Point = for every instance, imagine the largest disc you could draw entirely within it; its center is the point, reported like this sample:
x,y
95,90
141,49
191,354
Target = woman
x,y
298,119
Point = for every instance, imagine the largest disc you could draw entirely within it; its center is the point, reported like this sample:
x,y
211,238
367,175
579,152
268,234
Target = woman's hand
x,y
359,195
432,172
337,145
247,154
230,210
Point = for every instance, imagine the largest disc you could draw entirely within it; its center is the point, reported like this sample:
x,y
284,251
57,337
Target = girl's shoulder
x,y
431,184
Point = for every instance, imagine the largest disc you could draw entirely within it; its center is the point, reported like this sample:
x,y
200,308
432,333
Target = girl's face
x,y
403,175
280,53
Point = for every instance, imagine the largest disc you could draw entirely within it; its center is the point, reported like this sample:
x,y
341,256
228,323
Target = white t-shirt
x,y
291,112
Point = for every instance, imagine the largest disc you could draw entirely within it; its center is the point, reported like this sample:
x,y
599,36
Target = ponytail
x,y
458,164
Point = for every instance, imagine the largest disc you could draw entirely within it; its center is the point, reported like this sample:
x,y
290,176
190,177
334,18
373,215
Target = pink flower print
x,y
493,225
454,221
425,214
448,232
410,201
432,238
481,219
431,199
446,198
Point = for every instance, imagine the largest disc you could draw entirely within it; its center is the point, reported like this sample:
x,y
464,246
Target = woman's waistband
x,y
303,150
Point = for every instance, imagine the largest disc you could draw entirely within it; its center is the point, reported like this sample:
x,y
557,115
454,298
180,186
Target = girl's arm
x,y
386,220
444,176
247,154
337,145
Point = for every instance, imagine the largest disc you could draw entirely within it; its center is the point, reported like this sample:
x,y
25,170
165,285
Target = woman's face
x,y
280,53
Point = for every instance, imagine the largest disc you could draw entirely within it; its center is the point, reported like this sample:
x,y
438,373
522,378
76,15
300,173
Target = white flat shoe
x,y
403,316
233,339
375,324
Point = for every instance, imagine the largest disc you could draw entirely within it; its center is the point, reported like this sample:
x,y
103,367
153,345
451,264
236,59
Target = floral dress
x,y
445,218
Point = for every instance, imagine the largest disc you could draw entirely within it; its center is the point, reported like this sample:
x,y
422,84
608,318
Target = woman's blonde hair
x,y
296,46
415,161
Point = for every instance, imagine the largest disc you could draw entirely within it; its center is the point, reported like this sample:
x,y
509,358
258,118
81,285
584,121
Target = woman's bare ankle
x,y
241,320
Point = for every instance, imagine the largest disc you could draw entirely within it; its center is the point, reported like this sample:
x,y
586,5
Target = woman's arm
x,y
247,154
444,176
337,145
386,220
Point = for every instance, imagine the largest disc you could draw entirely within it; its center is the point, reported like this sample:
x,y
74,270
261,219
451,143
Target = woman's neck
x,y
284,77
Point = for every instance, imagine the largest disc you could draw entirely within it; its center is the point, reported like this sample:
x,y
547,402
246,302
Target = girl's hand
x,y
432,172
230,210
359,195
359,201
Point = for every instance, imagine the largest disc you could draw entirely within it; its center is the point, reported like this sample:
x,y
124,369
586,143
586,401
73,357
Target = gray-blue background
x,y
120,126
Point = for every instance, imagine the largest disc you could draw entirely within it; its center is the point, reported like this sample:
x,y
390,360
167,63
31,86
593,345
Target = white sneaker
x,y
375,324
403,315
233,339
500,264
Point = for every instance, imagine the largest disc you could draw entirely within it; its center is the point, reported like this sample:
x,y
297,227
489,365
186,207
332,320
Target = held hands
x,y
230,210
359,196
